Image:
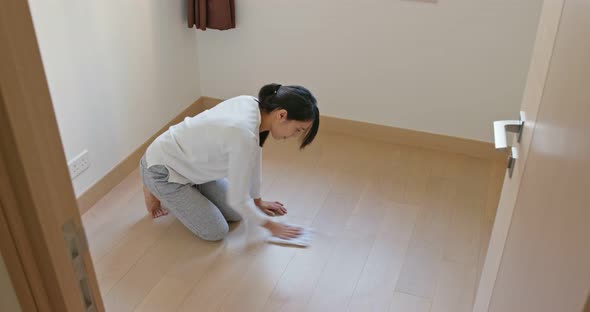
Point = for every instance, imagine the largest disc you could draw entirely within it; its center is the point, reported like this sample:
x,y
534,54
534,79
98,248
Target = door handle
x,y
501,141
503,126
512,160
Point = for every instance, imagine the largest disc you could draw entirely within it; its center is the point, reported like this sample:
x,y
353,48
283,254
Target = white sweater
x,y
217,143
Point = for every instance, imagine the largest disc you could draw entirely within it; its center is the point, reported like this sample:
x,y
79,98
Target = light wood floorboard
x,y
398,228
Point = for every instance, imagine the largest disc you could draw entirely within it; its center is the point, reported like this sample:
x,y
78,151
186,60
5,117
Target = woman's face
x,y
283,128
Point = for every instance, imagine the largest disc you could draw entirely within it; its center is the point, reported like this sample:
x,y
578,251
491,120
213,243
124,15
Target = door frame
x,y
35,185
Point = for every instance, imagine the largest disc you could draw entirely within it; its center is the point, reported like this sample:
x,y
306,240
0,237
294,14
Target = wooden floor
x,y
397,229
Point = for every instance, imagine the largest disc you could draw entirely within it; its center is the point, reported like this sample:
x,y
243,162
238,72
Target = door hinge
x,y
75,239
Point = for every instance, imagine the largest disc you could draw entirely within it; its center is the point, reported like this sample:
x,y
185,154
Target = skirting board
x,y
330,124
395,135
123,169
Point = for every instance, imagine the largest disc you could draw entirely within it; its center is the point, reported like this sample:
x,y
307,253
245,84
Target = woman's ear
x,y
282,115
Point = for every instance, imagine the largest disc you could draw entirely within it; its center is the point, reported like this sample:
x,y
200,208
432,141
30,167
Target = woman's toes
x,y
159,212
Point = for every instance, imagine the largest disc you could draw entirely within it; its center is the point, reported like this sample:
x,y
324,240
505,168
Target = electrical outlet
x,y
79,164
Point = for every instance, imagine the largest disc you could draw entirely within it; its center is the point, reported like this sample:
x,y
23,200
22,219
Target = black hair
x,y
299,103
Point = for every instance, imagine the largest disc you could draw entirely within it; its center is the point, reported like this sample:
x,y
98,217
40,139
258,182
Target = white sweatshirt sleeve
x,y
242,149
256,174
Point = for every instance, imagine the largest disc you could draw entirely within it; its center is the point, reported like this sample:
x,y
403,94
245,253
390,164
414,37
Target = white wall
x,y
450,68
118,71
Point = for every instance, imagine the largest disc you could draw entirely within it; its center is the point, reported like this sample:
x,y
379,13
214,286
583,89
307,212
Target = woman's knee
x,y
215,233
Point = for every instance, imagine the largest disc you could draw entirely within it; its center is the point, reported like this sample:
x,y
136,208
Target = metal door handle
x,y
512,161
503,126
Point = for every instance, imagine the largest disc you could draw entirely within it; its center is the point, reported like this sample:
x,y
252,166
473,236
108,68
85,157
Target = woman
x,y
207,168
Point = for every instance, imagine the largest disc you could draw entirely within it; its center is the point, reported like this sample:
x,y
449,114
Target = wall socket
x,y
79,164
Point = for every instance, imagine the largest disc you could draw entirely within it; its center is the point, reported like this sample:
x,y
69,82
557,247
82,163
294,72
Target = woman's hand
x,y
271,208
282,230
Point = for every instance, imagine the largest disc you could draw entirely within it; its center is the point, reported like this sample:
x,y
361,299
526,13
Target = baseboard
x,y
330,124
395,135
209,102
123,169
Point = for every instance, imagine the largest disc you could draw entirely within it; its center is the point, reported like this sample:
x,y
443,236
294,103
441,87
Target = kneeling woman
x,y
206,170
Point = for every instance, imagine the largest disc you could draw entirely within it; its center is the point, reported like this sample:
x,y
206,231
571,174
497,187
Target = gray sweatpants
x,y
203,208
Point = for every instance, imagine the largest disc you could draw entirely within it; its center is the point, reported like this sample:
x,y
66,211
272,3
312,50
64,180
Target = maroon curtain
x,y
215,14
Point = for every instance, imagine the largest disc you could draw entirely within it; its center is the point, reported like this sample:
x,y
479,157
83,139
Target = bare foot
x,y
152,204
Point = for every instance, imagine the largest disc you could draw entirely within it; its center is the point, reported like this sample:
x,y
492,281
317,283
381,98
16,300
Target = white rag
x,y
303,240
